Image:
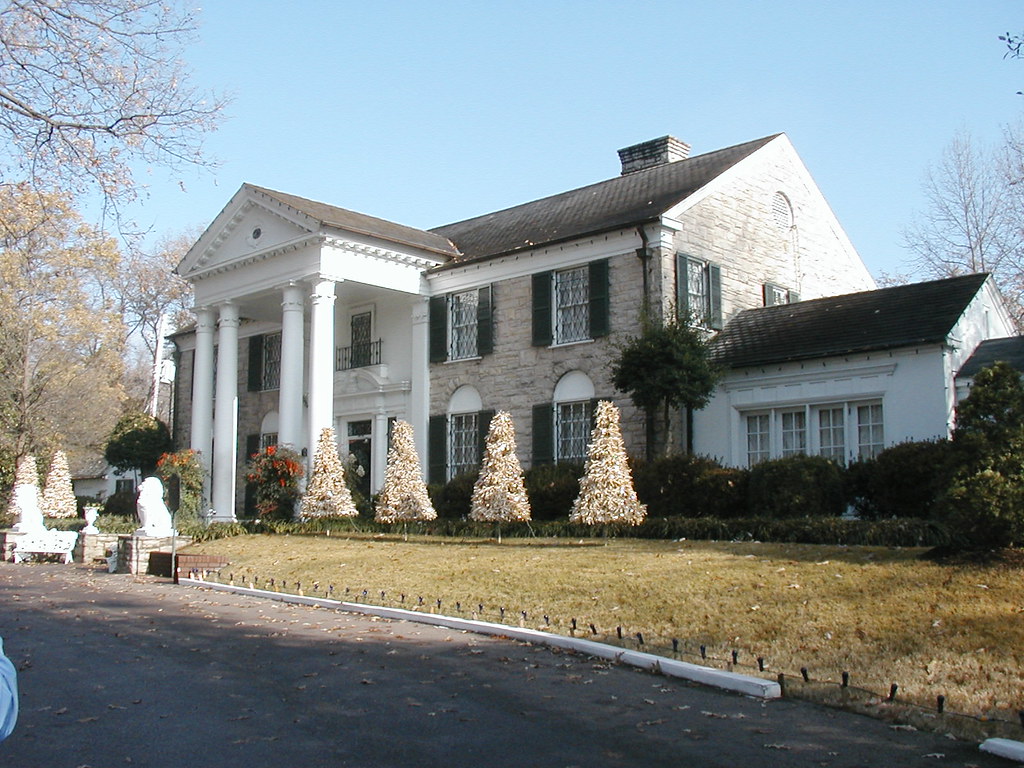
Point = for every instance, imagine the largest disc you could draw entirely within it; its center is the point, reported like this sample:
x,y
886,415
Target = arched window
x,y
782,212
573,416
466,424
268,430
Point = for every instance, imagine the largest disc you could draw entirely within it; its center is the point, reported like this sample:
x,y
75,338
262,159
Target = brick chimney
x,y
667,149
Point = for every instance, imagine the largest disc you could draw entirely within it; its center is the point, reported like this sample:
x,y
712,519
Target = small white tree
x,y
499,495
25,504
58,493
327,493
404,495
606,493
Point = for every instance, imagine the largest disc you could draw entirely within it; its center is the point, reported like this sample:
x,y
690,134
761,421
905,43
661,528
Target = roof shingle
x,y
601,207
900,316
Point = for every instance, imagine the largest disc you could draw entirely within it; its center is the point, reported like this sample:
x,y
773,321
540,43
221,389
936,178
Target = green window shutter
x,y
483,423
543,435
682,294
255,363
592,413
599,321
542,309
438,329
715,297
792,297
437,450
485,321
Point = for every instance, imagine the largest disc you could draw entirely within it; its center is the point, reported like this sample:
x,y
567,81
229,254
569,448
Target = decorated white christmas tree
x,y
25,502
607,495
404,495
58,493
499,495
327,492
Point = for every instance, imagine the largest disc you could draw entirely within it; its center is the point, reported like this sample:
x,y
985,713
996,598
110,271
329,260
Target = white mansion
x,y
309,316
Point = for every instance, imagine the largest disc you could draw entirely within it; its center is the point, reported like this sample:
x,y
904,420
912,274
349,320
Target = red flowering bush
x,y
275,473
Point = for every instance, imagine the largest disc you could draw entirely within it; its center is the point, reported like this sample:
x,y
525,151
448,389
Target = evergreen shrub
x,y
552,488
692,486
795,486
904,480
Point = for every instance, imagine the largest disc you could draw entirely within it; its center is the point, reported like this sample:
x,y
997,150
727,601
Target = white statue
x,y
25,502
153,513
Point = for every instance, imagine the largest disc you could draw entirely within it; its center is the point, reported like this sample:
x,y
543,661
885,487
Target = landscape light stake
x,y
439,603
401,598
593,629
892,691
420,599
547,621
940,703
618,631
735,657
639,638
803,672
675,645
846,681
458,607
760,663
382,594
782,683
502,611
572,624
1020,714
703,652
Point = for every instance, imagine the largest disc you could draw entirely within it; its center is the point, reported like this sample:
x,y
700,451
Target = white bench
x,y
45,543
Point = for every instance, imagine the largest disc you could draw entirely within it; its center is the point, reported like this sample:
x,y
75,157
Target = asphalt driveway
x,y
119,671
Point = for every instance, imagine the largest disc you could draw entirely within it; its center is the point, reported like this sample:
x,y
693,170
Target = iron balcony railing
x,y
358,356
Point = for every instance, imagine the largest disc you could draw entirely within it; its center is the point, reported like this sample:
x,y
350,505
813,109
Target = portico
x,y
286,292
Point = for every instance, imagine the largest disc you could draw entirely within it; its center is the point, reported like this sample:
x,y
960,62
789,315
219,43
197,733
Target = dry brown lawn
x,y
881,614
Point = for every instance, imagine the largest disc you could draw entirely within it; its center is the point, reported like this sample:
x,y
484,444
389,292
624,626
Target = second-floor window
x,y
462,325
699,291
571,305
265,362
463,309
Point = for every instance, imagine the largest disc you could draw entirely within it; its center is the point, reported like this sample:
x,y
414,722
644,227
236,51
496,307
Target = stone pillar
x,y
225,423
379,460
419,397
289,407
202,392
321,361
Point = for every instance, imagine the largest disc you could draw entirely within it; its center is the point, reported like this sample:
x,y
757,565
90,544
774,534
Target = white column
x,y
419,405
225,422
379,445
202,392
289,407
321,361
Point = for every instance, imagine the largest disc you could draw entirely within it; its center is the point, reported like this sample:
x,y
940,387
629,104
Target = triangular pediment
x,y
252,225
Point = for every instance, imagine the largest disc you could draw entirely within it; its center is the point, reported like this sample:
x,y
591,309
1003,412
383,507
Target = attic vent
x,y
667,149
782,212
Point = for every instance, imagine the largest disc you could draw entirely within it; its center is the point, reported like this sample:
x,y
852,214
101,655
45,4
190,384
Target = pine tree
x,y
58,493
499,495
327,493
404,495
607,495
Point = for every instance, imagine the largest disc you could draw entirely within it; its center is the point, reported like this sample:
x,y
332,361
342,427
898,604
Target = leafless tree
x,y
90,89
974,219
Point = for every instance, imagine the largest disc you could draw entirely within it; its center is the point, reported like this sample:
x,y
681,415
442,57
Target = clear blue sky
x,y
426,113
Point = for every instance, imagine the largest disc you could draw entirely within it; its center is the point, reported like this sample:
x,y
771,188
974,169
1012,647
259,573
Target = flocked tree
x,y
607,495
327,493
403,498
25,506
499,494
58,493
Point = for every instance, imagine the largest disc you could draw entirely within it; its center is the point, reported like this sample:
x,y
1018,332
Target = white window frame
x,y
462,325
698,290
570,305
802,430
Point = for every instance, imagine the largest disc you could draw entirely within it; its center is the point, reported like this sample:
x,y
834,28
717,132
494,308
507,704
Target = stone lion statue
x,y
153,513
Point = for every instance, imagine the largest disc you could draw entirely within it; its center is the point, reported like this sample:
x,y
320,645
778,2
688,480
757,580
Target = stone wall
x,y
518,375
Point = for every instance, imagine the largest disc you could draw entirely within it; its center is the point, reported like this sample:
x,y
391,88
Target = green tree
x,y
665,367
984,505
137,443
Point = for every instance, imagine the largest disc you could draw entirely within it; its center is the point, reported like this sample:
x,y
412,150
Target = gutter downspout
x,y
643,253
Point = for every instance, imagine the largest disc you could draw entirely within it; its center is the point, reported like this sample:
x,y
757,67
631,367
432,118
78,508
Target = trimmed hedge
x,y
796,486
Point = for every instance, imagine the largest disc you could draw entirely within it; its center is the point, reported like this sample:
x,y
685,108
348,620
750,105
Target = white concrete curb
x,y
1008,748
747,685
